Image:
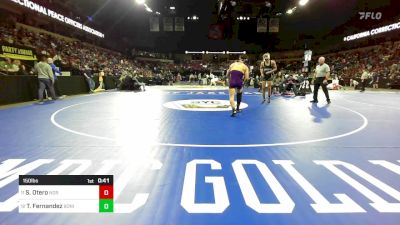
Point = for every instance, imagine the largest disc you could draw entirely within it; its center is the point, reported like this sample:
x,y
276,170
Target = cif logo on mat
x,y
370,15
205,105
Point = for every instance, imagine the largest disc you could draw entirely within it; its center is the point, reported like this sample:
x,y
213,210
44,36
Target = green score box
x,y
106,205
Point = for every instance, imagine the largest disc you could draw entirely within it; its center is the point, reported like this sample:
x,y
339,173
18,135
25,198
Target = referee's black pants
x,y
363,84
318,82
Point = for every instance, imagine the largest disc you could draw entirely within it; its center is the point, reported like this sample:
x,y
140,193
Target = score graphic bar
x,y
66,193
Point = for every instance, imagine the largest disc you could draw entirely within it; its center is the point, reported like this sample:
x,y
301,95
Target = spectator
x,y
355,84
55,69
291,85
364,79
13,68
6,66
21,68
199,78
170,78
87,73
56,73
375,81
178,78
101,80
46,78
214,80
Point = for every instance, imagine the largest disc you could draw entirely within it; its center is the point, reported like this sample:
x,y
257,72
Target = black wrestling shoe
x,y
234,112
263,101
238,110
313,101
328,101
269,100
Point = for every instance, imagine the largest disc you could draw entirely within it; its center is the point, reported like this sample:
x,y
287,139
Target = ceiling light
x,y
149,10
140,2
172,8
303,2
290,11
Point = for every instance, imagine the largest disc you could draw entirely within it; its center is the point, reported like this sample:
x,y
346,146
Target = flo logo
x,y
202,105
370,15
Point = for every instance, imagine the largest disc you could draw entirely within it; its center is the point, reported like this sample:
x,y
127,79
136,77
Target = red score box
x,y
106,192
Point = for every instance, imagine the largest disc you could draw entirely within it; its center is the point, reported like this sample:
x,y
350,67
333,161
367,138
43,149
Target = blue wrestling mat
x,y
178,158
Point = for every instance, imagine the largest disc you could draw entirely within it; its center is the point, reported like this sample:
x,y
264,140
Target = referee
x,y
322,73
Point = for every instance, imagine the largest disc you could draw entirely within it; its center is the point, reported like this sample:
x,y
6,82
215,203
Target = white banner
x,y
391,27
43,10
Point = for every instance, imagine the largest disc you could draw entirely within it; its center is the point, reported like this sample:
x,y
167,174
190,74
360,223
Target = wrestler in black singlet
x,y
267,68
